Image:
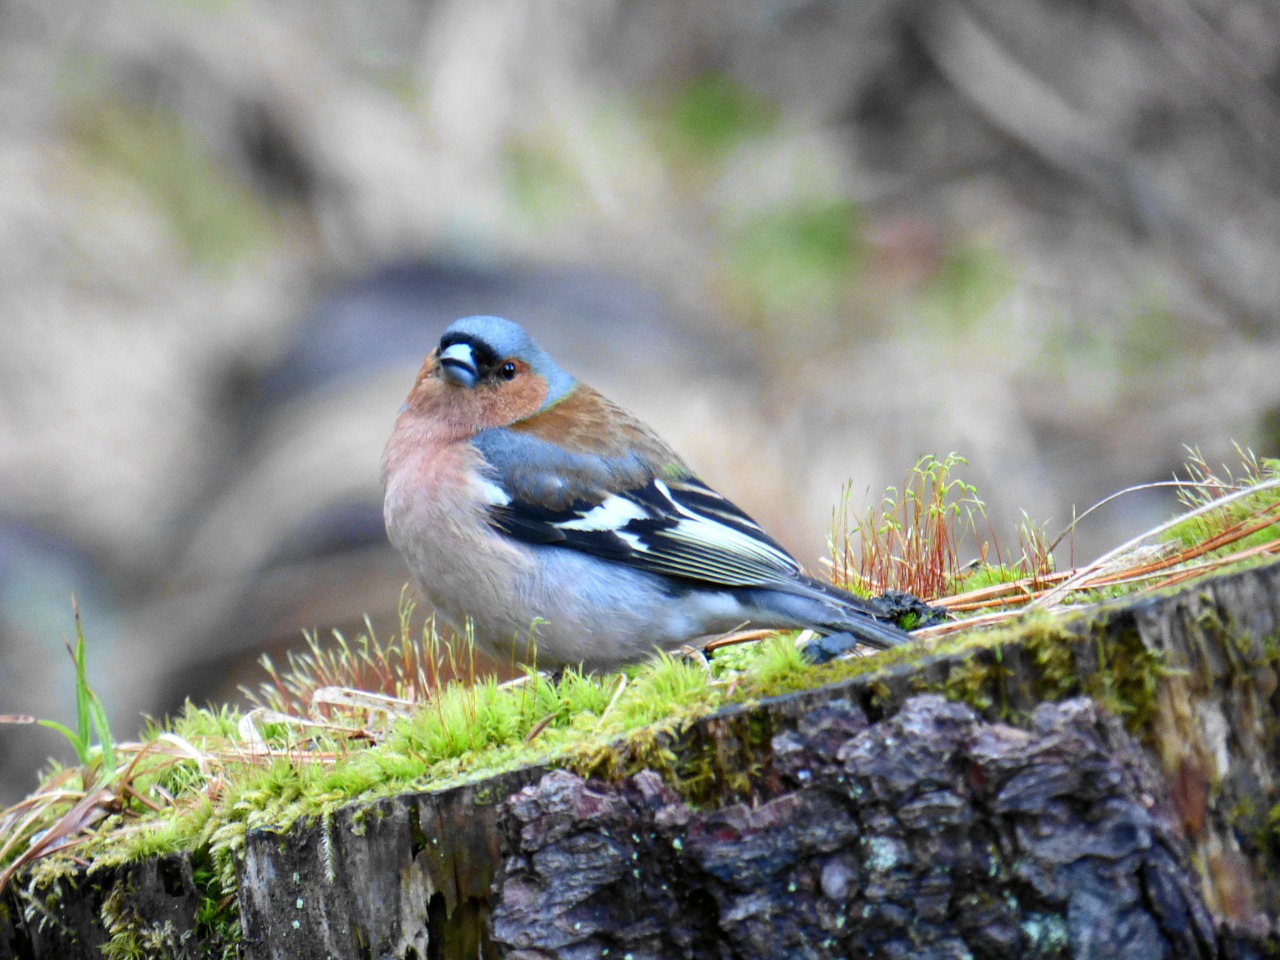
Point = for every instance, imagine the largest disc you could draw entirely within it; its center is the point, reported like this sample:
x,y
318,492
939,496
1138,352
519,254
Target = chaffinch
x,y
565,529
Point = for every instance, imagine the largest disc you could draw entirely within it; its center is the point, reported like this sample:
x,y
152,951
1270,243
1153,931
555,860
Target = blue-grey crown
x,y
508,339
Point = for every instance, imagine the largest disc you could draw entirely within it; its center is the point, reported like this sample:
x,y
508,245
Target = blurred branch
x,y
1218,69
1014,98
1018,102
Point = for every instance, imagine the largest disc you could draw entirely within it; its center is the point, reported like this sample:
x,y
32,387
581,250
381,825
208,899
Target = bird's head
x,y
490,372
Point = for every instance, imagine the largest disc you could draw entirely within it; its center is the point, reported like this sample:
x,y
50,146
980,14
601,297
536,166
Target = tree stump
x,y
1093,788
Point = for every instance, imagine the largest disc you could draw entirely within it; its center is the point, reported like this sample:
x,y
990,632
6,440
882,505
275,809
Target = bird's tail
x,y
868,630
828,609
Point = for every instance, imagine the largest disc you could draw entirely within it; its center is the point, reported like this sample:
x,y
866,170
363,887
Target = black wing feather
x,y
678,528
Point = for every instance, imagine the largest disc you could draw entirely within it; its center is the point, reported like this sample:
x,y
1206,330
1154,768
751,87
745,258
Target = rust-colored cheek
x,y
506,402
458,411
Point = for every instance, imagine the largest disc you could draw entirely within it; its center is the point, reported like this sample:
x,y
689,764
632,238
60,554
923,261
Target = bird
x,y
557,530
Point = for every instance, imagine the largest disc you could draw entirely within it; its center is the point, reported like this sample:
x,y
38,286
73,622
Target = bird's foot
x,y
693,655
824,648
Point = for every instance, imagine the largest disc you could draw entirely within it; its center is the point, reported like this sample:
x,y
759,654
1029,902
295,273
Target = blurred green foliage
x,y
541,182
1147,343
219,219
713,114
969,282
1157,335
792,262
801,261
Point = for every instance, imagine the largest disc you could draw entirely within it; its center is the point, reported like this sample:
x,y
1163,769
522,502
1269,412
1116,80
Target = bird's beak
x,y
458,364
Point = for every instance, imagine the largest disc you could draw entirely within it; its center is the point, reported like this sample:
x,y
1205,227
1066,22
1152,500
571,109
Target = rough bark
x,y
1103,789
928,835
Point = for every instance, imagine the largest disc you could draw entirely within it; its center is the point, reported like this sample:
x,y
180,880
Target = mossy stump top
x,y
1095,787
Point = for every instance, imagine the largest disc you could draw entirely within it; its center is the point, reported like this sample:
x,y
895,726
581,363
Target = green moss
x,y
780,667
466,733
217,920
972,682
605,726
1119,672
988,575
38,900
703,768
1253,470
1116,670
1050,649
670,686
131,937
1128,677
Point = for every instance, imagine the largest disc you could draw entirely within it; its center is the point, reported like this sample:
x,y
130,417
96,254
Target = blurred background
x,y
808,241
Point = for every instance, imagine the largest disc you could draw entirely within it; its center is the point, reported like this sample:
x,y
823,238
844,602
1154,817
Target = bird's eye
x,y
507,371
